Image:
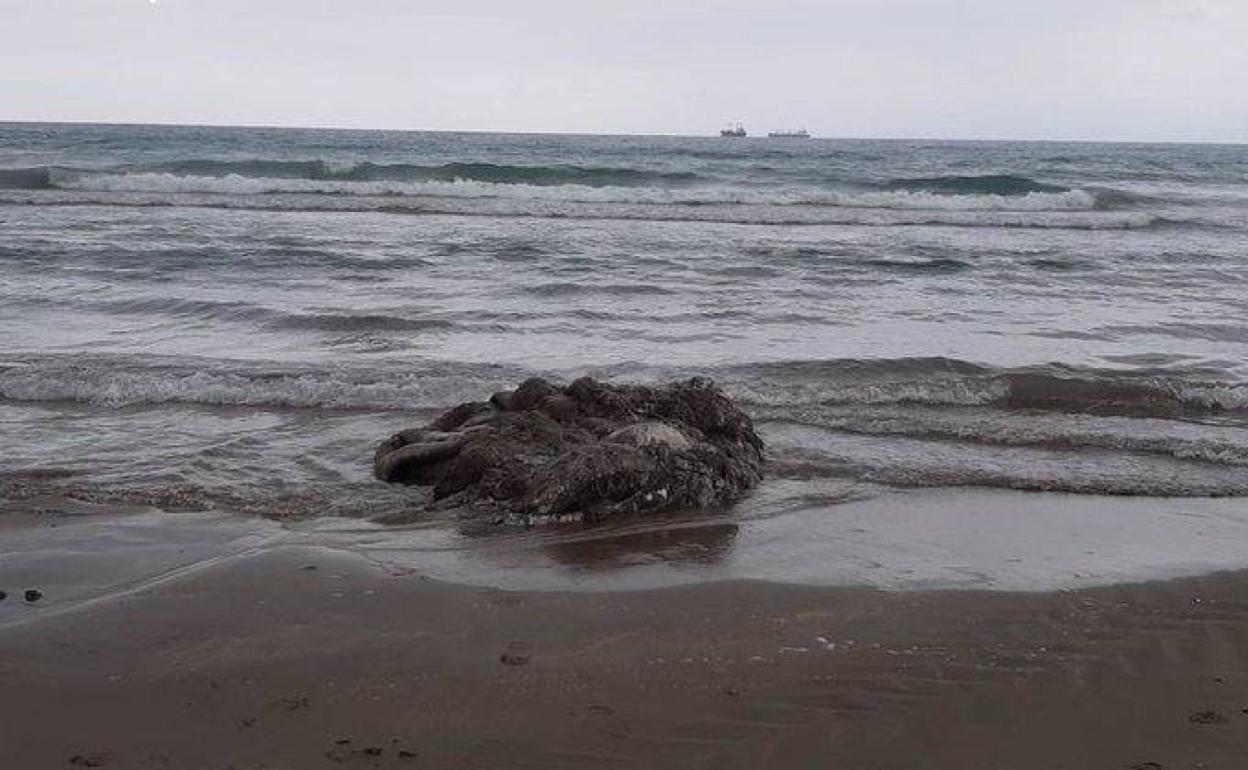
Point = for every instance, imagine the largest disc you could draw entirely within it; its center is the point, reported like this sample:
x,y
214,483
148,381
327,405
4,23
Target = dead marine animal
x,y
589,449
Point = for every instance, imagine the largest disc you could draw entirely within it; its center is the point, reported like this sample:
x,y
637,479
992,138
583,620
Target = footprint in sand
x,y
343,753
517,654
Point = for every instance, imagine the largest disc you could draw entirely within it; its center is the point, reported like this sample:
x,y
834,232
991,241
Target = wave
x,y
364,171
247,312
276,172
26,179
177,307
769,215
935,448
996,185
1060,265
1125,483
1197,442
934,382
567,288
246,186
235,184
114,382
949,382
935,265
353,322
572,184
1211,332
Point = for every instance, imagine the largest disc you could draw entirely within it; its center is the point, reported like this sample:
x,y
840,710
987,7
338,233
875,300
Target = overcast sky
x,y
1078,69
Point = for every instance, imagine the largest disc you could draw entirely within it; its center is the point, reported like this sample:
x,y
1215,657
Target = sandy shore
x,y
303,658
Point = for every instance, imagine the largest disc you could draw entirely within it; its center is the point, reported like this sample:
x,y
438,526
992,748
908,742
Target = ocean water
x,y
230,319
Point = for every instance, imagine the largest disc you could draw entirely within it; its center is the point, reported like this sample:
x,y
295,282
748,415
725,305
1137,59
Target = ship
x,y
736,130
799,133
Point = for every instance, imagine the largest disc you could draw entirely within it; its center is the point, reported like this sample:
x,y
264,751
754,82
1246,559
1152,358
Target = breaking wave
x,y
251,313
347,172
570,184
319,170
115,383
908,381
949,382
775,214
994,184
1060,477
234,184
1213,444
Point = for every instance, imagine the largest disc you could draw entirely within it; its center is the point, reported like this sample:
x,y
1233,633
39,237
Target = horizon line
x,y
710,135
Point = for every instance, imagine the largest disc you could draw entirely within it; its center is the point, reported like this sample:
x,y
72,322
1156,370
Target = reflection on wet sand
x,y
699,543
976,539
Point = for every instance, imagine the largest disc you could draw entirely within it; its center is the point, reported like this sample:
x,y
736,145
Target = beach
x,y
206,651
303,657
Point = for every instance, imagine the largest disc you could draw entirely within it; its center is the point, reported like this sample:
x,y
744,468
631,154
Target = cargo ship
x,y
736,130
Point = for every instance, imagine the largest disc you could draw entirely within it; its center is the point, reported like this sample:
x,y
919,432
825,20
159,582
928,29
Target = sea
x,y
945,344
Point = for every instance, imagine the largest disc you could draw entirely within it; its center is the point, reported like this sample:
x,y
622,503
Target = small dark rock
x,y
3,596
248,722
1146,766
343,742
372,751
405,754
310,568
1207,718
33,595
88,760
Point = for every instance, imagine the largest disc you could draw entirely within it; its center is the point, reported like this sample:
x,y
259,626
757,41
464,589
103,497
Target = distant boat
x,y
734,130
800,133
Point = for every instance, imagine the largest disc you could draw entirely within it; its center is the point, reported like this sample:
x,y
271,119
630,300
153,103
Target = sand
x,y
296,657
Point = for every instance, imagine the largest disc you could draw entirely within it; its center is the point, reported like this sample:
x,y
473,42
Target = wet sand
x,y
298,657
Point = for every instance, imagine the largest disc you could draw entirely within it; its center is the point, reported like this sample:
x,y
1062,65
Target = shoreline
x,y
274,658
813,532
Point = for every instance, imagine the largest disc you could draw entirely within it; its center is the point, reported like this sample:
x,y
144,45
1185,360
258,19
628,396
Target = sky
x,y
1133,70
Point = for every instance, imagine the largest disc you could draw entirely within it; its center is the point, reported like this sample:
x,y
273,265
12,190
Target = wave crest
x,y
949,382
361,172
991,184
114,383
235,184
938,382
554,183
